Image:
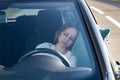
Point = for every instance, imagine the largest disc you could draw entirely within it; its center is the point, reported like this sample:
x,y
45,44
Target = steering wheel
x,y
46,50
26,71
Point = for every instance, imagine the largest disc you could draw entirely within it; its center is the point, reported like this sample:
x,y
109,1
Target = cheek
x,y
70,43
61,37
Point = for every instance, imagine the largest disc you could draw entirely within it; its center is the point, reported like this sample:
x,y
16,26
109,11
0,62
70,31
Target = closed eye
x,y
66,34
72,39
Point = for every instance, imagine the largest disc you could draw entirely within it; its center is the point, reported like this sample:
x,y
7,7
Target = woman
x,y
64,40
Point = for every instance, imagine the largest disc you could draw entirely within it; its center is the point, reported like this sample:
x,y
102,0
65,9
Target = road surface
x,y
107,14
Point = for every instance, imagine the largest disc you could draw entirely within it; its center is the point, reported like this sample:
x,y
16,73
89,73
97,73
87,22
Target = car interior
x,y
25,32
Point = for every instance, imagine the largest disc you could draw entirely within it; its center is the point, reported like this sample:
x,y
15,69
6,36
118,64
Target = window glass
x,y
22,23
28,24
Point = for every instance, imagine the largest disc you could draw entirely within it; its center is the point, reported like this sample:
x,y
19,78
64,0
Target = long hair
x,y
61,29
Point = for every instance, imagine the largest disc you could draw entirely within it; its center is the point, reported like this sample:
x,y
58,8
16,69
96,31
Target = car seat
x,y
48,22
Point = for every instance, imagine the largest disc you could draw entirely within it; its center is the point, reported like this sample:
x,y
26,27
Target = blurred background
x,y
107,14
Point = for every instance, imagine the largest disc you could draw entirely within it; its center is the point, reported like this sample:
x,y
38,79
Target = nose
x,y
66,39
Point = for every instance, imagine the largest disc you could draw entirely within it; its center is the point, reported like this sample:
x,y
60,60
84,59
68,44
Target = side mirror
x,y
104,33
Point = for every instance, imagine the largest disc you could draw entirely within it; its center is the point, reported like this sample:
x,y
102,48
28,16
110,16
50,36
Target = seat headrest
x,y
2,17
48,22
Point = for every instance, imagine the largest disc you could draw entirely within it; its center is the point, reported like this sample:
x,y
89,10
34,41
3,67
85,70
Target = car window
x,y
27,26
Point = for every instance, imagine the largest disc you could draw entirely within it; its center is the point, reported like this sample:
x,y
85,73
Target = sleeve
x,y
73,61
44,45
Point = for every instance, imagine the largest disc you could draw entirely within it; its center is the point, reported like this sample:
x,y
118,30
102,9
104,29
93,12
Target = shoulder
x,y
45,45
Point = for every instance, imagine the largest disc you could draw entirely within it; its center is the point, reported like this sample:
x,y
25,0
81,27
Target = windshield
x,y
28,24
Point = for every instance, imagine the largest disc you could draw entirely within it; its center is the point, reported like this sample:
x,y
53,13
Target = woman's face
x,y
67,37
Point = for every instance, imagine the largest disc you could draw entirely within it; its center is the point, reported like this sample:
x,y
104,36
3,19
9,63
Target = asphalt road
x,y
107,14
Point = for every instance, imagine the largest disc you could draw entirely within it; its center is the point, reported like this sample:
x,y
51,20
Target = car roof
x,y
33,0
5,3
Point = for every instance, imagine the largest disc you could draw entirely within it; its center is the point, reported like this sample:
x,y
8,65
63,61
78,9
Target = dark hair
x,y
62,28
